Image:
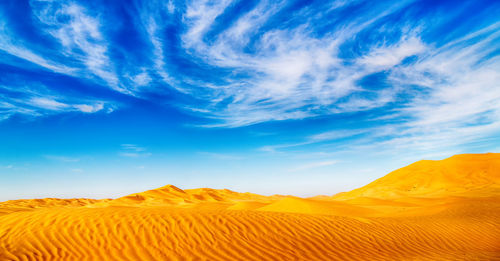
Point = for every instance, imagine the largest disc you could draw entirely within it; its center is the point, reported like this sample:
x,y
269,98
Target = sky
x,y
105,98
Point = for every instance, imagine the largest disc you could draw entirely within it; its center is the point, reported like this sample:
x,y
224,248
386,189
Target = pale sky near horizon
x,y
272,97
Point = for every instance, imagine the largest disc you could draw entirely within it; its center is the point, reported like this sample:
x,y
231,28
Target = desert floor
x,y
430,210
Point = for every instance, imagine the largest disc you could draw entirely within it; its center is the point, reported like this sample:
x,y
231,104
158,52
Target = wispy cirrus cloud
x,y
79,36
13,45
239,63
453,101
313,165
37,100
328,136
133,151
54,105
24,95
292,73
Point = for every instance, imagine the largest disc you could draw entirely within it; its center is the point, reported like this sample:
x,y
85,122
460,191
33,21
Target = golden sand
x,y
430,210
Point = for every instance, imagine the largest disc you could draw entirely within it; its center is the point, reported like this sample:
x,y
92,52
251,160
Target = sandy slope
x,y
450,220
467,174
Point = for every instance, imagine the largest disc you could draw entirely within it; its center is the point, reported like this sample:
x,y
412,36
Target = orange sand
x,y
430,210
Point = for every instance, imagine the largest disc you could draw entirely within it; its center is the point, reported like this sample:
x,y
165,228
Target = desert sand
x,y
429,210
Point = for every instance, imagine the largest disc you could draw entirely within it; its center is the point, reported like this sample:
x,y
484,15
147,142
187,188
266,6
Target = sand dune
x,y
467,175
309,206
33,204
402,216
172,195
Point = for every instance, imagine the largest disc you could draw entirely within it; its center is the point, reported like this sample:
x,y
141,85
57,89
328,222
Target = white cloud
x,y
80,37
142,79
293,74
457,103
47,103
450,94
132,147
51,104
313,165
327,136
133,151
461,101
152,20
334,135
36,100
13,45
89,108
199,16
288,72
388,56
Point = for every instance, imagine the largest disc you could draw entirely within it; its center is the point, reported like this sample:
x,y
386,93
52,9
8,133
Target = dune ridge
x,y
172,195
429,210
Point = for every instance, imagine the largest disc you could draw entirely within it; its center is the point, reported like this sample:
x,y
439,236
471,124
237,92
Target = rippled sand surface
x,y
430,210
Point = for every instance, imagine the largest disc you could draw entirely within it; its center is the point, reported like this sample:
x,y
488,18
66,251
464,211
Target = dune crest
x,y
429,210
174,196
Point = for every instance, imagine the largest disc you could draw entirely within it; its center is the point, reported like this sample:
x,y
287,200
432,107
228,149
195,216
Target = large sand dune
x,y
430,210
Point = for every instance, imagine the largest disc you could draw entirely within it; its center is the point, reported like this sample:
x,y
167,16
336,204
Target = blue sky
x,y
291,97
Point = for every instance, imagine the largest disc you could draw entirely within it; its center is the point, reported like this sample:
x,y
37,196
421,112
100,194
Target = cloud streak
x,y
313,165
133,151
238,63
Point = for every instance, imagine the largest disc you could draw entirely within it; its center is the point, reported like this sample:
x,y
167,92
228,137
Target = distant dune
x,y
429,210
